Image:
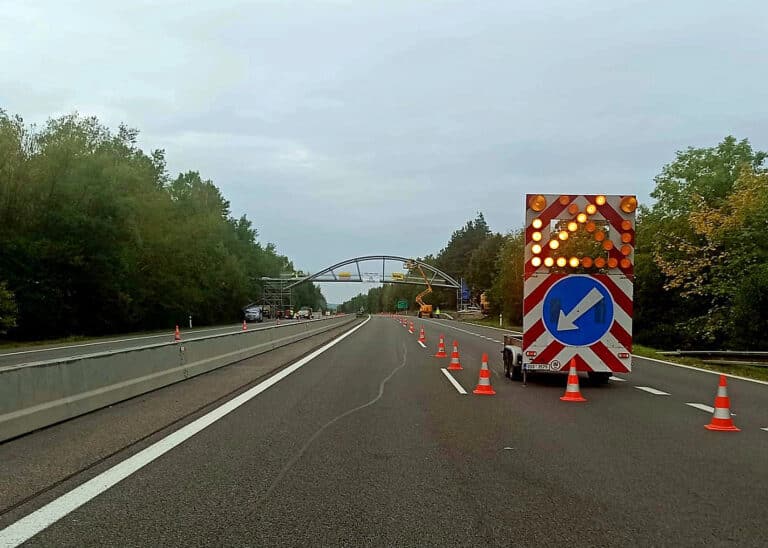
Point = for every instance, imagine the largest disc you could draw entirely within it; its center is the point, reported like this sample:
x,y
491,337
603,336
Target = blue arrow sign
x,y
578,310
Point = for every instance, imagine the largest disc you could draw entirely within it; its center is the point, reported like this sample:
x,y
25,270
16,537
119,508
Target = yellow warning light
x,y
607,245
561,262
628,204
625,263
536,248
590,226
548,262
537,224
600,200
599,236
536,261
591,209
572,227
536,236
599,262
626,237
564,200
554,244
537,203
626,250
586,262
612,263
563,235
573,262
626,225
581,217
573,209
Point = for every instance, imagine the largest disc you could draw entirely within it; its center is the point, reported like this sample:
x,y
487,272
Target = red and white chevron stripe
x,y
612,353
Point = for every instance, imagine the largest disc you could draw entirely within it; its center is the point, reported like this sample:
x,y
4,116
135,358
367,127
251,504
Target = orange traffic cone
x,y
422,337
245,326
484,383
455,363
441,348
177,334
572,392
721,418
410,328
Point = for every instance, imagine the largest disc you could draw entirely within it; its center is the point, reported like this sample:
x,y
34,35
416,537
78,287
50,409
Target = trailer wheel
x,y
517,373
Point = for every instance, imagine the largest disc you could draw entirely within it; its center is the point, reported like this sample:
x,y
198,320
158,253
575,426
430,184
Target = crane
x,y
424,309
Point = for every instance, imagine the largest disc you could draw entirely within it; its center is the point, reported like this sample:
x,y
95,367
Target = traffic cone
x,y
422,337
455,363
721,418
441,348
177,334
572,392
484,382
245,326
410,328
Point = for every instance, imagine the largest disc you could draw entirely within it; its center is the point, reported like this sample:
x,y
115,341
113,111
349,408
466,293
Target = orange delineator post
x,y
721,418
422,337
177,334
484,387
245,326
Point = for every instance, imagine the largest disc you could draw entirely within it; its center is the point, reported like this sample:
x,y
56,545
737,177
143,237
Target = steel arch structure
x,y
335,274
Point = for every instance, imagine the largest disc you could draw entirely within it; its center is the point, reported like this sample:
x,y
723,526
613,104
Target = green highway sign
x,y
402,304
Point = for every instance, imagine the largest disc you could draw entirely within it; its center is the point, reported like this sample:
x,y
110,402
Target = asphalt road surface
x,y
37,353
369,443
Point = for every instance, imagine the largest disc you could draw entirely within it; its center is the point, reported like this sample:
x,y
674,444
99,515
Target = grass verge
x,y
751,372
494,322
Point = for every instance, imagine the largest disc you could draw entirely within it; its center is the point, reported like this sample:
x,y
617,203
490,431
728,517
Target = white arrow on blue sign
x,y
578,310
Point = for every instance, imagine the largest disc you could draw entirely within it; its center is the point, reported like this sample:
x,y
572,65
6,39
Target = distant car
x,y
253,314
360,312
304,312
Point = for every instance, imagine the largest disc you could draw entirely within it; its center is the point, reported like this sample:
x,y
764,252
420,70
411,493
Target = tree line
x,y
701,260
97,237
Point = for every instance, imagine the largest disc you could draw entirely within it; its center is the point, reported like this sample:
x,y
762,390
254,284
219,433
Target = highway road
x,y
368,442
37,353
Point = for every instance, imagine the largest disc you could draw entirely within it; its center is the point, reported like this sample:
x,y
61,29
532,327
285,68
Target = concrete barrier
x,y
38,394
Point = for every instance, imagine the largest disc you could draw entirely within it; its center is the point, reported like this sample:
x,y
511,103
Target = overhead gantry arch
x,y
379,269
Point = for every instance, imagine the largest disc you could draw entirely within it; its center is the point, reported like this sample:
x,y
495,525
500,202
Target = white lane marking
x,y
701,370
459,329
40,519
454,382
652,391
422,344
766,429
614,378
702,407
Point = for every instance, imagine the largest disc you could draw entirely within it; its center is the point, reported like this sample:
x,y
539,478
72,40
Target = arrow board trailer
x,y
578,286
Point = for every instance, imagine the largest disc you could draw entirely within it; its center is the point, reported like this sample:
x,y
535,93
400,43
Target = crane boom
x,y
424,309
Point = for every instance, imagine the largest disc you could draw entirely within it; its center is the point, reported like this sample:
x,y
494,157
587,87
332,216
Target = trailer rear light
x,y
561,262
554,244
625,263
600,200
536,249
530,353
581,217
537,223
548,262
573,209
573,262
628,204
586,262
563,235
536,262
536,236
591,209
572,226
623,355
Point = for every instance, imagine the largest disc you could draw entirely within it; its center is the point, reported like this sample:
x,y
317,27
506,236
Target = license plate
x,y
539,366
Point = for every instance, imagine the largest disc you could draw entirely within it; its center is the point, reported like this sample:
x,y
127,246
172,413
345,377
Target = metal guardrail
x,y
38,394
752,358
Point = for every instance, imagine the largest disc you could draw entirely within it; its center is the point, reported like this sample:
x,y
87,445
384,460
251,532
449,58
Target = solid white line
x,y
37,521
766,429
652,391
454,382
702,407
701,370
613,378
422,344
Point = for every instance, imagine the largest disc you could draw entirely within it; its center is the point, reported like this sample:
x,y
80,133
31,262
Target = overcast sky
x,y
345,128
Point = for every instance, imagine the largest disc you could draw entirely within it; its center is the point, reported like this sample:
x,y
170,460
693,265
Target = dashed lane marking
x,y
30,525
454,382
652,391
614,378
422,344
766,429
702,407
